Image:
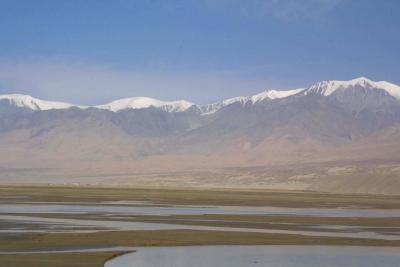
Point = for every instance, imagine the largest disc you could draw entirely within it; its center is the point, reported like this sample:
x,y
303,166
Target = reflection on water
x,y
99,225
13,220
274,256
195,210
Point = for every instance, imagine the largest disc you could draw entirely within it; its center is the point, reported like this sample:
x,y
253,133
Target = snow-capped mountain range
x,y
26,101
327,88
324,88
325,124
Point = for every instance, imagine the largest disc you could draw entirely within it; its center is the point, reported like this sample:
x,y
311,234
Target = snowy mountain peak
x,y
326,88
212,108
26,101
361,80
146,102
266,95
274,94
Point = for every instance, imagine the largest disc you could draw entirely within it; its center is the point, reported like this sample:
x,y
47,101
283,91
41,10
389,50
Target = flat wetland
x,y
228,197
31,235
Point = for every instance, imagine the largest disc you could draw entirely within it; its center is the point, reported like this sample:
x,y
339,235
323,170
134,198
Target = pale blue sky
x,y
93,51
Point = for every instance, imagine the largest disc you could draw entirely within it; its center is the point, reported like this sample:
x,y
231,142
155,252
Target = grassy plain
x,y
97,196
229,197
57,259
60,241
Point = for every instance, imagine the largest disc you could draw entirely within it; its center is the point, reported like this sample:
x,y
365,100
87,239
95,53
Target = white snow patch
x,y
327,88
266,95
392,89
274,94
26,101
146,102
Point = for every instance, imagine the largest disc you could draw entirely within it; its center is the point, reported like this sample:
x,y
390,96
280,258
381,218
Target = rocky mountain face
x,y
328,122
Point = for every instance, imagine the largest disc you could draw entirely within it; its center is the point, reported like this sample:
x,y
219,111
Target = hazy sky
x,y
93,51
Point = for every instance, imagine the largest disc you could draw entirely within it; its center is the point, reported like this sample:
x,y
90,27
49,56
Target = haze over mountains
x,y
331,123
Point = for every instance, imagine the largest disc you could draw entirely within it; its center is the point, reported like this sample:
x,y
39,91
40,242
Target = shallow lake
x,y
14,220
195,210
274,256
61,225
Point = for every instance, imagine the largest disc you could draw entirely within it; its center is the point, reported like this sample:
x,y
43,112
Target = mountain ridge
x,y
325,88
330,125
